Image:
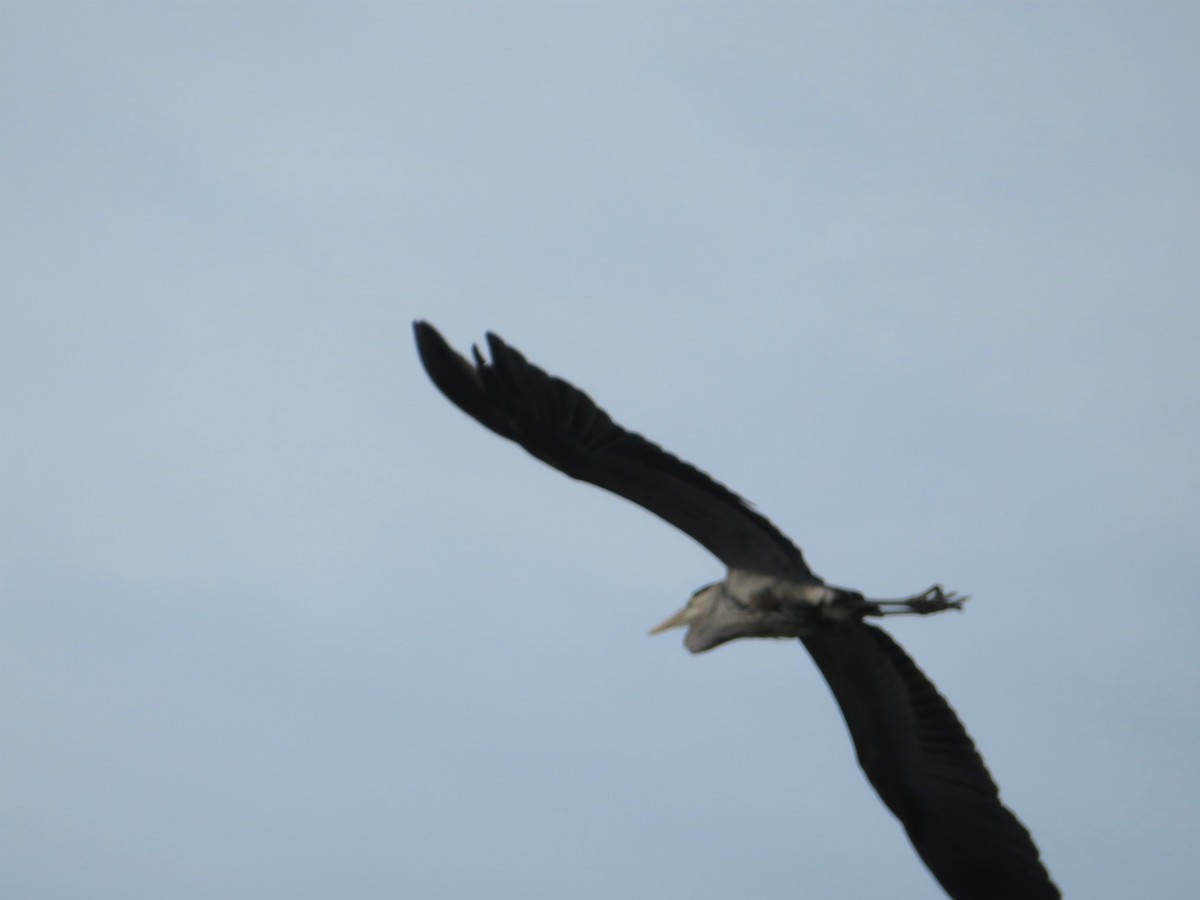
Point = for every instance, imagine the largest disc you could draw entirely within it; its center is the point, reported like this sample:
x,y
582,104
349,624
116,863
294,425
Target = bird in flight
x,y
909,742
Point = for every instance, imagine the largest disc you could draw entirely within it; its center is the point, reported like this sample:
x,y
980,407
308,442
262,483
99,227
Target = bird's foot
x,y
931,601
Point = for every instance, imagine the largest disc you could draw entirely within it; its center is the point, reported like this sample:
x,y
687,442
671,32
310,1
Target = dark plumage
x,y
562,426
910,743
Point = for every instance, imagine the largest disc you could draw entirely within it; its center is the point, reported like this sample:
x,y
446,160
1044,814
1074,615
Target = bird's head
x,y
709,618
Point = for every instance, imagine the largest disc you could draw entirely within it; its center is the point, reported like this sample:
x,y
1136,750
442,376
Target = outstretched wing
x,y
562,426
921,760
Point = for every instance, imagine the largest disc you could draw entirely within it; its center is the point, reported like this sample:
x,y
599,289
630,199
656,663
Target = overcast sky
x,y
278,621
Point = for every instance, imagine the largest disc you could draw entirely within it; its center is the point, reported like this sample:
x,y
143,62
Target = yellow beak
x,y
679,620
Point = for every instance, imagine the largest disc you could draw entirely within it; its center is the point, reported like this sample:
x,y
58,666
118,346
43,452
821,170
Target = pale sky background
x,y
277,621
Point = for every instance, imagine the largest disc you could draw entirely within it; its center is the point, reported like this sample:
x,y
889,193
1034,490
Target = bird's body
x,y
749,604
908,740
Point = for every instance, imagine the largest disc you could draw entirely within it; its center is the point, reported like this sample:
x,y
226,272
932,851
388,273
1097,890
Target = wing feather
x,y
563,426
925,767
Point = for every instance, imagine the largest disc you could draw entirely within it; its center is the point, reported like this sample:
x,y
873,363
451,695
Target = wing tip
x,y
429,342
455,376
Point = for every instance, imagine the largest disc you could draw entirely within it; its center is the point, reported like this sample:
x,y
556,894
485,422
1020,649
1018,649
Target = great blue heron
x,y
915,752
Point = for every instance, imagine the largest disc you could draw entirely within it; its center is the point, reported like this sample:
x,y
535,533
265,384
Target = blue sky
x,y
277,621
